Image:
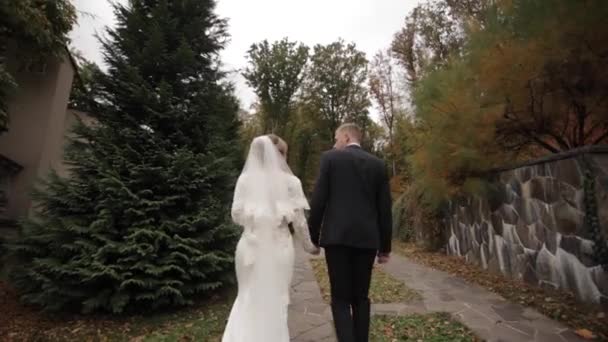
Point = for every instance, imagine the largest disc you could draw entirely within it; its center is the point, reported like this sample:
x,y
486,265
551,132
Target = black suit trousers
x,y
350,272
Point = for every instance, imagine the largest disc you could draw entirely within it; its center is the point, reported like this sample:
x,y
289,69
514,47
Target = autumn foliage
x,y
522,78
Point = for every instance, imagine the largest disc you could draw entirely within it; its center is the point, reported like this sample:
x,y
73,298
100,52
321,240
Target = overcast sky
x,y
369,23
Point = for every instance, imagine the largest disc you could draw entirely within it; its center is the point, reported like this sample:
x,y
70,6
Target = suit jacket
x,y
351,203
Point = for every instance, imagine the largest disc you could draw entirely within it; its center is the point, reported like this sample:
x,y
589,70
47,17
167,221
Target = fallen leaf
x,y
585,333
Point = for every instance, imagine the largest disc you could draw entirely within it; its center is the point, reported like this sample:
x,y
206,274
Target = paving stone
x,y
523,327
451,307
323,332
505,333
542,336
473,318
446,297
509,312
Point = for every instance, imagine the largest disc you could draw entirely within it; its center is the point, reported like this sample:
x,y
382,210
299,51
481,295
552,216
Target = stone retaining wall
x,y
532,227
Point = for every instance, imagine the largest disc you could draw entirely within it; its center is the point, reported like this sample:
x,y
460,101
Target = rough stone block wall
x,y
532,227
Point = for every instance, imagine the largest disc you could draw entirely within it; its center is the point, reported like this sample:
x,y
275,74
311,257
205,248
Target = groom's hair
x,y
353,130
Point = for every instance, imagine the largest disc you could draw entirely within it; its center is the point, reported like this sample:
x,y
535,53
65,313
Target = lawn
x,y
435,327
383,289
204,321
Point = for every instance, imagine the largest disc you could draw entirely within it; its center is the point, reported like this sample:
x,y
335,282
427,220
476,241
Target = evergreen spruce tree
x,y
142,222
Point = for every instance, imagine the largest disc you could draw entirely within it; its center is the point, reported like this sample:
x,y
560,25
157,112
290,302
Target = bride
x,y
268,199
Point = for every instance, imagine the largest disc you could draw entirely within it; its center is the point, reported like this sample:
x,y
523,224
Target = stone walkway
x,y
309,316
491,317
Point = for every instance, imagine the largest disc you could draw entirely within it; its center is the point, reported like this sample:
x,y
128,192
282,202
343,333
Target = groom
x,y
351,218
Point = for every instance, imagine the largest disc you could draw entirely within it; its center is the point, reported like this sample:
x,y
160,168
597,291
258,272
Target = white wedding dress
x,y
267,198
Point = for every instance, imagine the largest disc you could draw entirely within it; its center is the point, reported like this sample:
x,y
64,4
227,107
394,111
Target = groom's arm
x,y
385,217
319,200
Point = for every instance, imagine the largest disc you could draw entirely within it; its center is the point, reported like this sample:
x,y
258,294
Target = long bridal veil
x,y
262,196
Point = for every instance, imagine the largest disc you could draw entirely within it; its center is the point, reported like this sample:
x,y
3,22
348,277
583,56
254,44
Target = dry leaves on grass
x,y
19,322
203,321
559,305
383,288
429,327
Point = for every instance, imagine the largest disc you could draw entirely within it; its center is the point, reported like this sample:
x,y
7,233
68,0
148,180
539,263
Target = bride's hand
x,y
312,249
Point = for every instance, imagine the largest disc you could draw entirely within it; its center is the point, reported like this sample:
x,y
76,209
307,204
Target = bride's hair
x,y
279,143
282,147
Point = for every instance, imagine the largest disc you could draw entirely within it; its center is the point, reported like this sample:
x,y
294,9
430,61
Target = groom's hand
x,y
383,258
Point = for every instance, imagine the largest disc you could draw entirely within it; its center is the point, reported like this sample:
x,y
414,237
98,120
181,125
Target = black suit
x,y
351,218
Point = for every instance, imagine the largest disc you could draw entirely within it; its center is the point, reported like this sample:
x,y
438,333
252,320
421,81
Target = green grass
x,y
204,321
207,325
383,288
435,327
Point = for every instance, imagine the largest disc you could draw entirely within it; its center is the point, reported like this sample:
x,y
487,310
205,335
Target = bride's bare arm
x,y
299,222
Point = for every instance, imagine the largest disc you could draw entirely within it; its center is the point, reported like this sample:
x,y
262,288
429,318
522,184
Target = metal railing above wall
x,y
591,149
